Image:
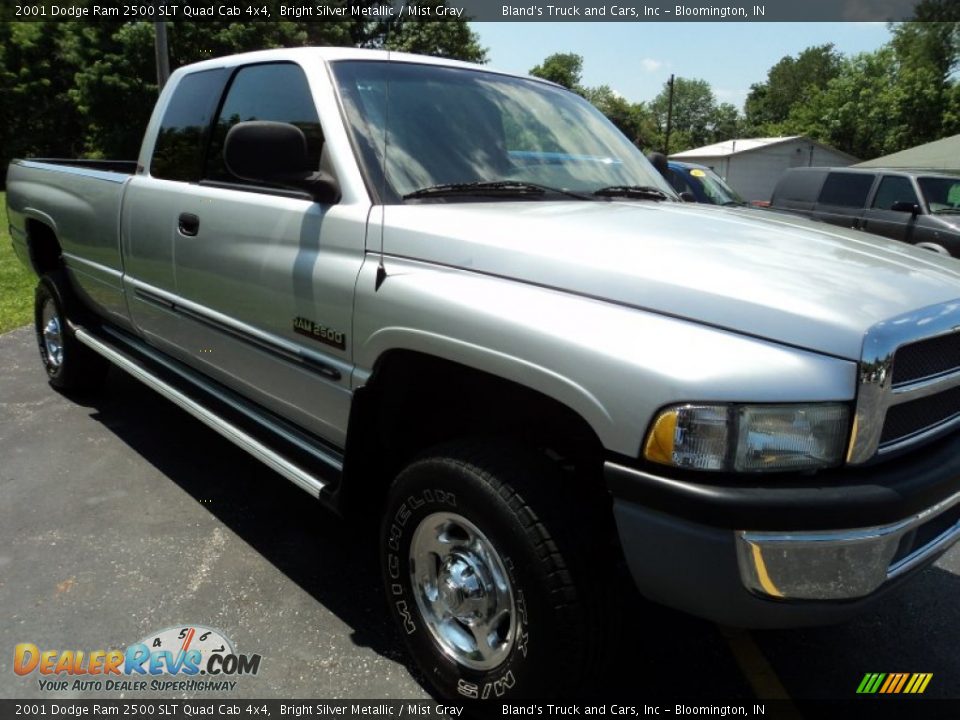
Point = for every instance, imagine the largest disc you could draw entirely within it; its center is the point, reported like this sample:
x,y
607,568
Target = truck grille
x,y
908,388
916,362
926,358
915,416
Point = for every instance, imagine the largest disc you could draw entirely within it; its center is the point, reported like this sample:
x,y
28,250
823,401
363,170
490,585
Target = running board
x,y
253,442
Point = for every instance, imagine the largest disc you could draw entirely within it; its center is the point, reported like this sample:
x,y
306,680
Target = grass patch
x,y
16,282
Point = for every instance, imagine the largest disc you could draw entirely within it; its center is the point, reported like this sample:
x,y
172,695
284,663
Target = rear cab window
x,y
185,127
798,188
844,189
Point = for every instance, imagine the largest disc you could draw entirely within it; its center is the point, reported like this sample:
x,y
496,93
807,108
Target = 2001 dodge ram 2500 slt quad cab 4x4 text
x,y
463,301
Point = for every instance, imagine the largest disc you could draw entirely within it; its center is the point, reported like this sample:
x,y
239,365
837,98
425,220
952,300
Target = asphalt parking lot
x,y
121,515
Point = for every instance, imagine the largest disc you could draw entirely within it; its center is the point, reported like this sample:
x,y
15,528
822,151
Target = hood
x,y
751,271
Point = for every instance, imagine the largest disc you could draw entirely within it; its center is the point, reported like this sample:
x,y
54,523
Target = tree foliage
x,y
562,68
898,96
440,39
697,117
788,82
632,119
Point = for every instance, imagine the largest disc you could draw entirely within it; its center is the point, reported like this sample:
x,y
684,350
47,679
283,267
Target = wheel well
x,y
43,246
414,401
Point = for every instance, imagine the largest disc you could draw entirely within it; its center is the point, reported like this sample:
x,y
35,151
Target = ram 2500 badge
x,y
460,301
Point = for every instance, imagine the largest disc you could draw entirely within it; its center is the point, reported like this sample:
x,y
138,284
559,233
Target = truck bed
x,y
80,201
125,167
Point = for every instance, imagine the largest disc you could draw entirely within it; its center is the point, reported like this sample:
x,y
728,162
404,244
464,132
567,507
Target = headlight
x,y
749,438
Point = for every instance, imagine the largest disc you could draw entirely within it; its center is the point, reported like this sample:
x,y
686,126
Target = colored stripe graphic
x,y
894,683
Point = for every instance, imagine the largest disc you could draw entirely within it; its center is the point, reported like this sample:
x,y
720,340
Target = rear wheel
x,y
494,598
70,365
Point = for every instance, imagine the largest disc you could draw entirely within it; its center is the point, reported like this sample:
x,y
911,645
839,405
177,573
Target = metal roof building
x,y
753,165
937,155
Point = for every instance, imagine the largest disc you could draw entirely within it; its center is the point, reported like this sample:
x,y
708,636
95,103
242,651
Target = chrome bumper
x,y
844,564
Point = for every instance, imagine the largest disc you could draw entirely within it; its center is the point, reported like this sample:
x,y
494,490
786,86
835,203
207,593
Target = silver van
x,y
916,206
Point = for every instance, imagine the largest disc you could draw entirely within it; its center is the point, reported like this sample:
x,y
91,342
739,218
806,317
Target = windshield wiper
x,y
946,211
496,188
637,192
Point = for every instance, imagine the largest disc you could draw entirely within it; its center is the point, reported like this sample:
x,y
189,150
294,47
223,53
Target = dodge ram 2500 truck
x,y
462,301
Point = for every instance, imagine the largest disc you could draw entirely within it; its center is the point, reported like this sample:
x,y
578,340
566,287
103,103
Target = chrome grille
x,y
927,358
918,415
909,382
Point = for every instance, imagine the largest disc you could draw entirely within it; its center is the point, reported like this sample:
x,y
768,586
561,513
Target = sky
x,y
636,59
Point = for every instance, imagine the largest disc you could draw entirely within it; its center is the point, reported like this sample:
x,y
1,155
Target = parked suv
x,y
915,206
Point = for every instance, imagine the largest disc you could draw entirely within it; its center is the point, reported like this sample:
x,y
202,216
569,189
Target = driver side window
x,y
893,188
274,91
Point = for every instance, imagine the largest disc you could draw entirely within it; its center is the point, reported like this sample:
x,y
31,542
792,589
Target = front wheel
x,y
491,594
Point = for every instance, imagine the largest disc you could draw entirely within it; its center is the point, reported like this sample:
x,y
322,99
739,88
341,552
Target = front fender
x,y
615,366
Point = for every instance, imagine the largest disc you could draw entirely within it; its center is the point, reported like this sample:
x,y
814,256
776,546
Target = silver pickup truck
x,y
461,302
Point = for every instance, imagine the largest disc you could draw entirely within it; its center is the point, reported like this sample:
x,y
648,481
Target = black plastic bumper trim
x,y
833,499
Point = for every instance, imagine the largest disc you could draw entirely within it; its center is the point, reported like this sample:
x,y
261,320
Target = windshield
x,y
715,188
941,193
452,126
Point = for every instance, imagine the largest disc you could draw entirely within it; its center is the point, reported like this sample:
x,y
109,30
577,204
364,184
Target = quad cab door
x,y
264,276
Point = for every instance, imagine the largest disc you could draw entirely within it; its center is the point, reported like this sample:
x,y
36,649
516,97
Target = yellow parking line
x,y
758,671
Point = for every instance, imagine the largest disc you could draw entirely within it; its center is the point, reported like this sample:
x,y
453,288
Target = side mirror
x,y
276,153
688,196
905,206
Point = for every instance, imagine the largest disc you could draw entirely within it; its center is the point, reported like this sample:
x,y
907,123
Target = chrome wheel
x,y
463,591
52,334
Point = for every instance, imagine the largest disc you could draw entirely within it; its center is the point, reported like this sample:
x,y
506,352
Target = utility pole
x,y
162,53
666,139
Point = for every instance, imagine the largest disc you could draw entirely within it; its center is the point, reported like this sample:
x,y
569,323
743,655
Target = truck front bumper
x,y
806,552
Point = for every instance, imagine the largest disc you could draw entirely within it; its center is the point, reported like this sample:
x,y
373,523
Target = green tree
x,y
860,111
789,82
694,113
448,38
562,68
726,124
115,85
928,54
632,119
37,114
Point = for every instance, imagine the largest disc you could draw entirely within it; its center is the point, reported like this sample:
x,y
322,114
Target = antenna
x,y
381,269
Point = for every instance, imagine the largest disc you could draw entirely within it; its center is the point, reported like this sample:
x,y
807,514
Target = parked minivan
x,y
915,206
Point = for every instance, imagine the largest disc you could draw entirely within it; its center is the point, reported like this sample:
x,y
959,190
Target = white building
x,y
752,166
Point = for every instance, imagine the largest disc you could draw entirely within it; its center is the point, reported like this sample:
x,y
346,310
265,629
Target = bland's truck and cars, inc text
x,y
462,302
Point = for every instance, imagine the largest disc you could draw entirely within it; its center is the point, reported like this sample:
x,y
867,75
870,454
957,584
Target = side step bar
x,y
231,428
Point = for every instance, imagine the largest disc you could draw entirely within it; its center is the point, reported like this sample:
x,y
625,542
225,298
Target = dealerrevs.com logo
x,y
200,658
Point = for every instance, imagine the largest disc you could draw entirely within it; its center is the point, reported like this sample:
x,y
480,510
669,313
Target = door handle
x,y
189,224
